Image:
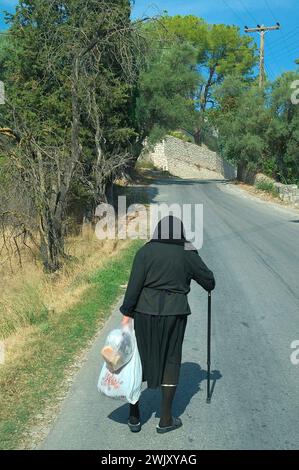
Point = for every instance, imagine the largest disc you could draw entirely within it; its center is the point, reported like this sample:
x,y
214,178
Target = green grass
x,y
28,308
268,187
145,164
33,380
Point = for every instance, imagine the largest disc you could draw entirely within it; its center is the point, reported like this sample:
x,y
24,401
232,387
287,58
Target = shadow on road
x,y
186,182
192,375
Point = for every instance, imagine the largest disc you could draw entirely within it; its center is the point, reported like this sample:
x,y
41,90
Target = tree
x,y
164,100
221,51
242,119
65,78
283,132
258,130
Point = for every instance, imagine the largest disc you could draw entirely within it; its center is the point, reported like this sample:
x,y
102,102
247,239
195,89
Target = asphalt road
x,y
253,250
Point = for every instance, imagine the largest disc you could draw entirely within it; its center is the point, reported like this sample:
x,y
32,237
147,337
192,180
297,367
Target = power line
x,y
289,37
275,18
269,71
279,50
291,52
248,12
287,54
284,36
292,32
274,47
291,48
284,40
262,61
275,63
262,31
270,10
234,12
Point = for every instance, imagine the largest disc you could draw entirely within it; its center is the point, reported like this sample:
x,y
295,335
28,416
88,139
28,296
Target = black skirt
x,y
160,340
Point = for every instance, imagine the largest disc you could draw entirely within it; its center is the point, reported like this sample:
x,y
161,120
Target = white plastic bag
x,y
126,383
118,348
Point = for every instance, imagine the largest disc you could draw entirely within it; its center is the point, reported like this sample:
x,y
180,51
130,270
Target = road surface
x,y
253,250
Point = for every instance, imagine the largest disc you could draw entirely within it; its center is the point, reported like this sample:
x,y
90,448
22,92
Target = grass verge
x,y
267,187
32,378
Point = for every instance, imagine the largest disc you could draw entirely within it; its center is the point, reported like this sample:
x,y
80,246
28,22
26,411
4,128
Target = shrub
x,y
267,186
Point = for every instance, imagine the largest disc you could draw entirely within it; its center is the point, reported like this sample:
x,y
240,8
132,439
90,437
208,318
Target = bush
x,y
180,135
267,186
146,164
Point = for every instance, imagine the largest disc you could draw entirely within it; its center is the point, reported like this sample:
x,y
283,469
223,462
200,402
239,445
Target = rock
x,y
261,178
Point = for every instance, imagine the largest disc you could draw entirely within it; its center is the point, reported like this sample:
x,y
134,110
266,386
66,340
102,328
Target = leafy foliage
x,y
215,51
69,74
164,100
258,130
86,87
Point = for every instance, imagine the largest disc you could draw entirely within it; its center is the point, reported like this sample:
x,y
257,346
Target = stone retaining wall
x,y
287,192
188,160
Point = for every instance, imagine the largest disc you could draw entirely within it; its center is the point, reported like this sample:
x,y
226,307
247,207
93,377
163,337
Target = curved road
x,y
253,248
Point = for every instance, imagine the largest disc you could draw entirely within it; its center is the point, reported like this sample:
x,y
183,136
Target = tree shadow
x,y
188,182
191,378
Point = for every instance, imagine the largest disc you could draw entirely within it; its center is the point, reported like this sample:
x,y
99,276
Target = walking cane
x,y
209,350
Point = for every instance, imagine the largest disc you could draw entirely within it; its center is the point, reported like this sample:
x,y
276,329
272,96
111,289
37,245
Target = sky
x,y
281,47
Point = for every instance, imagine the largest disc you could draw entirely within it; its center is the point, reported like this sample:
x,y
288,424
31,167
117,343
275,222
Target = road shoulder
x,y
242,192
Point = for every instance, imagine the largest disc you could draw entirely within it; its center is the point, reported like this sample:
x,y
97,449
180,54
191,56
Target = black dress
x,y
156,297
160,340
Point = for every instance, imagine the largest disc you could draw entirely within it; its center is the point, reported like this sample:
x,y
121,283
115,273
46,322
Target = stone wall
x,y
286,192
188,160
158,157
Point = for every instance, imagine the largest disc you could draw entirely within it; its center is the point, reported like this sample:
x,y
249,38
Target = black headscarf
x,y
170,229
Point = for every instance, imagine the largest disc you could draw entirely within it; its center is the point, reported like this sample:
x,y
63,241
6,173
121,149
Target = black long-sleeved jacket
x,y
160,280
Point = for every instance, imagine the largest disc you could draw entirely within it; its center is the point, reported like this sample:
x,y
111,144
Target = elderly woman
x,y
156,297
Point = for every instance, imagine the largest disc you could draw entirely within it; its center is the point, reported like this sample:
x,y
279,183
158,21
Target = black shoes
x,y
134,427
176,423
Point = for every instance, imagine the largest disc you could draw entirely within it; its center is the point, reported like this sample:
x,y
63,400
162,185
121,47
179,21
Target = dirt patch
x,y
250,192
263,195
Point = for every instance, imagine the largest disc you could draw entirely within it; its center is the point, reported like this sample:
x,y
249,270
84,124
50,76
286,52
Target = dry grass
x,y
268,196
47,319
39,355
29,296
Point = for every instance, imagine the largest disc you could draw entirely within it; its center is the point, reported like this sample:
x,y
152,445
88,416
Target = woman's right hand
x,y
126,320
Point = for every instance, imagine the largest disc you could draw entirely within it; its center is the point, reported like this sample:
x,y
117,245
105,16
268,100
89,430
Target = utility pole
x,y
262,30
